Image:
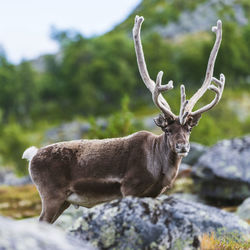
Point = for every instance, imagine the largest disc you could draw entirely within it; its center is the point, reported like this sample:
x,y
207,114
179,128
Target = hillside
x,y
88,73
174,18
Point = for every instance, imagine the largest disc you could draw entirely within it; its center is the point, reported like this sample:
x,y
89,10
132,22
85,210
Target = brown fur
x,y
95,171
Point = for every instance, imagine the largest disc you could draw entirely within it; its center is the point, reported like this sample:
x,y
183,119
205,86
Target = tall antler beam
x,y
155,89
210,68
140,55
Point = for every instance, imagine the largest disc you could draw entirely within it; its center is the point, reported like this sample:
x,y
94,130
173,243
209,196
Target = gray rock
x,y
222,173
196,151
19,235
72,130
184,167
148,122
184,170
202,17
7,177
146,223
67,131
69,216
187,197
66,219
243,210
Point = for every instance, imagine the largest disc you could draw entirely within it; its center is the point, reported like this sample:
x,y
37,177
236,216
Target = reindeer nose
x,y
182,147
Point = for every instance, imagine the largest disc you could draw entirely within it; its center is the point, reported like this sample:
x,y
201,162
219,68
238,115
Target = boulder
x,y
196,151
243,210
69,216
74,130
7,177
184,170
188,197
19,235
67,131
146,223
222,174
148,122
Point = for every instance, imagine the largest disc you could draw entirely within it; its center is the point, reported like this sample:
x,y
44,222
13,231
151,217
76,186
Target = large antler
x,y
187,110
155,88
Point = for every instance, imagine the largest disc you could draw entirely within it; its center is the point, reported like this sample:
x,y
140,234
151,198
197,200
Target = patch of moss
x,y
182,185
19,202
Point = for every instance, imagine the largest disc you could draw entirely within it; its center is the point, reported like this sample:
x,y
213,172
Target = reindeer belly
x,y
90,201
90,192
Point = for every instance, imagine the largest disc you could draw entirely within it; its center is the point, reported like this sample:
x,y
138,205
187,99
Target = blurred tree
x,y
14,141
234,53
18,90
121,123
91,77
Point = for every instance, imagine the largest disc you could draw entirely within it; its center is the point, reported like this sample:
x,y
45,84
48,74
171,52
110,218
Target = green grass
x,y
182,185
19,202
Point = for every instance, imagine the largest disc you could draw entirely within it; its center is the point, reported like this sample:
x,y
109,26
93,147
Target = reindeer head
x,y
177,134
178,128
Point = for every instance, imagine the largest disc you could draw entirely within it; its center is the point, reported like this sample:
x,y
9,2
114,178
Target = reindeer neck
x,y
169,159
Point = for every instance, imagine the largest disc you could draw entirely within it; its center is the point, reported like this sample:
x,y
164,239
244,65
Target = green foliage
x,y
13,143
91,78
221,123
119,124
18,91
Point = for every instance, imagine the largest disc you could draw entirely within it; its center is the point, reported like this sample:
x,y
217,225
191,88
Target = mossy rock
x,y
146,223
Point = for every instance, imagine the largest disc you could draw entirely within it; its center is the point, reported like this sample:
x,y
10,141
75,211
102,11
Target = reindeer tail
x,y
29,153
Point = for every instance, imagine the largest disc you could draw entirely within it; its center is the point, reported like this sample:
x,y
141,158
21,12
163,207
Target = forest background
x,y
97,77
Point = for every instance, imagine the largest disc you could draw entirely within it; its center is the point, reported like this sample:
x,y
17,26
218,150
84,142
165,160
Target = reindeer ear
x,y
193,120
160,121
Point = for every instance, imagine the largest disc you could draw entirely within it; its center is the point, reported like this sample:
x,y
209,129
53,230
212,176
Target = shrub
x,y
14,140
119,124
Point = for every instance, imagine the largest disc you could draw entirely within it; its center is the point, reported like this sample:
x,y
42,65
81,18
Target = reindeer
x,y
89,172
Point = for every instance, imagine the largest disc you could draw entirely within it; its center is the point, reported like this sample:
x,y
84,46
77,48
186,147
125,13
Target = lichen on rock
x,y
146,223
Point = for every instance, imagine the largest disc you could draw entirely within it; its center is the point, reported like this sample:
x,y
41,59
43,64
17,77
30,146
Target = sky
x,y
25,25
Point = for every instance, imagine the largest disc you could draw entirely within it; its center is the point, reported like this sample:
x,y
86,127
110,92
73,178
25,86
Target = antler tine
x,y
218,91
156,94
155,89
210,68
184,103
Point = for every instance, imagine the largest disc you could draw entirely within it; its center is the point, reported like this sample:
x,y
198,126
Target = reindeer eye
x,y
168,131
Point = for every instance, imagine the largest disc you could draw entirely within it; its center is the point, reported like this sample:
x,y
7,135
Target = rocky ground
x,y
130,223
162,223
